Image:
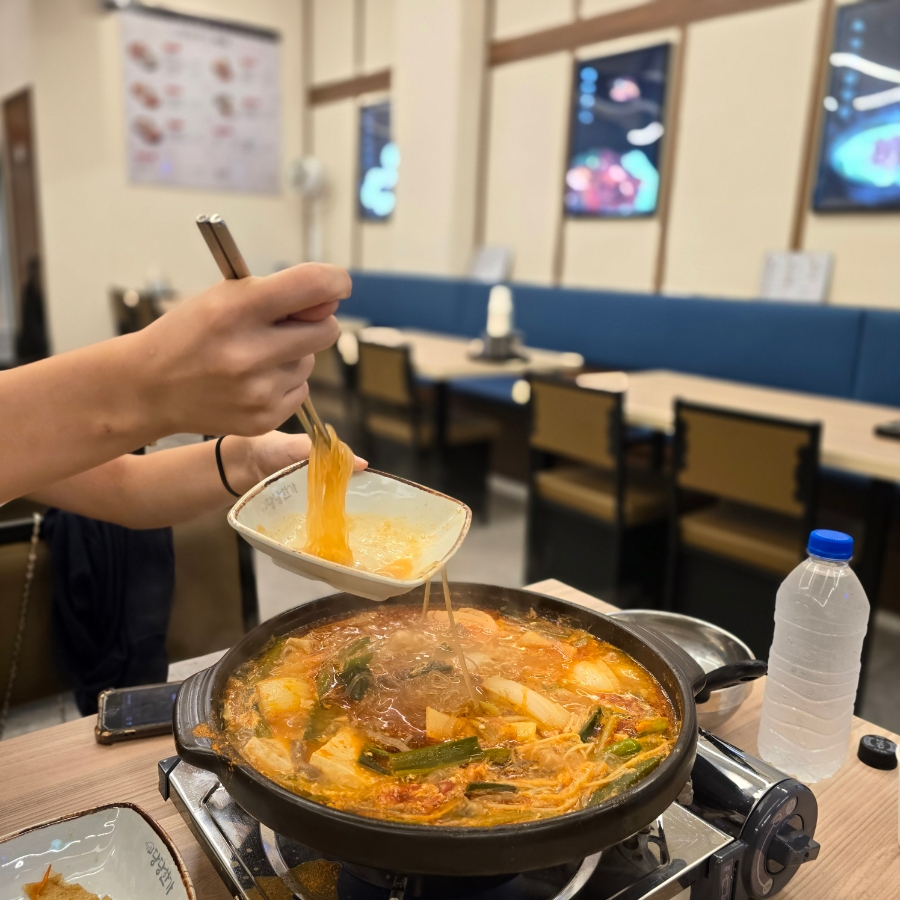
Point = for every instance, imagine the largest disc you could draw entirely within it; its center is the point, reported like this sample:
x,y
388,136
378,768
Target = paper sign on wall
x,y
202,102
796,276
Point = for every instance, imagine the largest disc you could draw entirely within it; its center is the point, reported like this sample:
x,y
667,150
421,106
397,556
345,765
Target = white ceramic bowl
x,y
115,850
284,493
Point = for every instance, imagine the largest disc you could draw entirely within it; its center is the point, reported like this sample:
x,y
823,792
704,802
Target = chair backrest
x,y
577,423
131,317
384,374
760,461
37,675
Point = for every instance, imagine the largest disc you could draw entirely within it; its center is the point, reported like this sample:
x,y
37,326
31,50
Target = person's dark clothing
x,y
112,596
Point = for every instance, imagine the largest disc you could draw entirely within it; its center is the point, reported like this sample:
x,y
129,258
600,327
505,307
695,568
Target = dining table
x,y
58,771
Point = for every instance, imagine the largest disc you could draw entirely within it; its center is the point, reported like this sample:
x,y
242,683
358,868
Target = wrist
x,y
139,365
238,463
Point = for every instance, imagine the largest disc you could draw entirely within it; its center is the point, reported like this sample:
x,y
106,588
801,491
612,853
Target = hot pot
x,y
451,850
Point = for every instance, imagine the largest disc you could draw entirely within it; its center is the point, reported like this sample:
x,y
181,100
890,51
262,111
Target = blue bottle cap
x,y
830,544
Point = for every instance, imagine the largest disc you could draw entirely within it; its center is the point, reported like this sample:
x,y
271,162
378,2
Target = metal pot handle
x,y
193,710
734,673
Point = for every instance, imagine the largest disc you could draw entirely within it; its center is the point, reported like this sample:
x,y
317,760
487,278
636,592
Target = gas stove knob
x,y
791,847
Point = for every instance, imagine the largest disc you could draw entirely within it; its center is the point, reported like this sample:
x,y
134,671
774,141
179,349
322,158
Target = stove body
x,y
739,831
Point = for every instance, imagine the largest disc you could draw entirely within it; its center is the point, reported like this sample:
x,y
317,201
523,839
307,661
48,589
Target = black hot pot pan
x,y
451,850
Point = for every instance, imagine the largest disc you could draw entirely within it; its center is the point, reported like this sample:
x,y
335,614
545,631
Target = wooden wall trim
x,y
652,16
809,158
670,151
349,87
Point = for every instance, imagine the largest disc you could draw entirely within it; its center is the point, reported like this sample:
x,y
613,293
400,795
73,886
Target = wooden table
x,y
60,770
443,357
848,442
848,439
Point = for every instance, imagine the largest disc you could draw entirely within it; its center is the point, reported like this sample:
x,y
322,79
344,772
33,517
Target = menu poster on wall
x,y
202,102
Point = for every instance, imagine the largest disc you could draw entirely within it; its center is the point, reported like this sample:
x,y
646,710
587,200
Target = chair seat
x,y
593,492
462,428
752,536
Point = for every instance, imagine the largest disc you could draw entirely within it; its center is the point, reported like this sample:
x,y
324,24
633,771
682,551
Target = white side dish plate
x,y
117,851
369,492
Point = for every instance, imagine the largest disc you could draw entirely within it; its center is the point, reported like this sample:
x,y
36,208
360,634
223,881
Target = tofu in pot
x,y
279,698
269,755
337,760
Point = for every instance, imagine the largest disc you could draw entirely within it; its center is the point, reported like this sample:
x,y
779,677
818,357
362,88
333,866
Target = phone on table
x,y
889,429
135,712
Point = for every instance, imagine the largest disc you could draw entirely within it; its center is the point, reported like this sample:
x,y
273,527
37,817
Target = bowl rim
x,y
626,613
124,804
248,532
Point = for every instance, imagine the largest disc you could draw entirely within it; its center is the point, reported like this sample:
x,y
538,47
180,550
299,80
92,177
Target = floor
x,y
492,553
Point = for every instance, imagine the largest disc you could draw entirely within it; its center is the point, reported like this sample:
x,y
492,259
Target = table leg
x,y
441,411
879,505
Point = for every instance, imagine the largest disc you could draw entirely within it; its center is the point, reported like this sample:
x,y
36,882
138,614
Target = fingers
x,y
304,287
291,340
359,463
316,313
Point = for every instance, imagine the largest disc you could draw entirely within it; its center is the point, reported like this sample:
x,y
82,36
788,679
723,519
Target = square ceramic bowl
x,y
284,493
112,850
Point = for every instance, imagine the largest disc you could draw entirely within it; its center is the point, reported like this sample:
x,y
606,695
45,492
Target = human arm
x,y
172,486
232,360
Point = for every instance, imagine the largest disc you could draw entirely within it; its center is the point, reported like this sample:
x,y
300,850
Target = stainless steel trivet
x,y
256,863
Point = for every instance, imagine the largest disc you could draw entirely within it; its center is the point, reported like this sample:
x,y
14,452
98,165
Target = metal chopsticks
x,y
232,265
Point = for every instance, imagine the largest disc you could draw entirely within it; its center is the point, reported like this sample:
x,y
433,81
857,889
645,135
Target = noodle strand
x,y
427,598
454,640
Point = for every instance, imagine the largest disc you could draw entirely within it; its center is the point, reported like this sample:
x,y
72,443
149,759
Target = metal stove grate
x,y
257,864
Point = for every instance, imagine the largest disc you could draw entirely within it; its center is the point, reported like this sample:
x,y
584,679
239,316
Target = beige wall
x,y
738,160
866,250
333,40
98,229
607,253
378,34
516,17
15,46
436,97
335,135
747,88
526,158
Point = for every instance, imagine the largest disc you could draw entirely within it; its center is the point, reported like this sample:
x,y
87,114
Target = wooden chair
x,y
213,604
592,521
451,453
744,490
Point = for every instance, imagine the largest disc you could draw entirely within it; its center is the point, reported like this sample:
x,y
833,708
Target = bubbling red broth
x,y
372,714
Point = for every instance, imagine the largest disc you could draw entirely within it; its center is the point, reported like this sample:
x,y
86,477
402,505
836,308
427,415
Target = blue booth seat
x,y
835,351
878,373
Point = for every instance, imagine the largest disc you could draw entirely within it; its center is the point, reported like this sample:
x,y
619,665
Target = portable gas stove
x,y
740,829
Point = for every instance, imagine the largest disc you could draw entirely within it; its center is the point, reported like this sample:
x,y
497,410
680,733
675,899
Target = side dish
x,y
54,887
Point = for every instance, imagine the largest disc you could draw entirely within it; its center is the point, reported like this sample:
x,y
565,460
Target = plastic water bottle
x,y
821,616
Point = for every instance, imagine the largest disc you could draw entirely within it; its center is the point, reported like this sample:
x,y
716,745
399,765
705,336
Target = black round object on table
x,y
877,752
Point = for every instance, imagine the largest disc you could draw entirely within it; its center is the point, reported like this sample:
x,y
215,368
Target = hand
x,y
235,359
247,461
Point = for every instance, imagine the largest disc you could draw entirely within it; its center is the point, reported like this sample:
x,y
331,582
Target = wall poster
x,y
859,157
616,134
202,102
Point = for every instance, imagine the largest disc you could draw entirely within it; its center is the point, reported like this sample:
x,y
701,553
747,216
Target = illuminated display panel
x,y
617,128
379,163
859,159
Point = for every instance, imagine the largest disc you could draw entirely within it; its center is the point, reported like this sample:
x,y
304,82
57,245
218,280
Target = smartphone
x,y
126,713
889,429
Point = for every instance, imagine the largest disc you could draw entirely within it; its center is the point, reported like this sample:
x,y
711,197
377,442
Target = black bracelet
x,y
228,487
